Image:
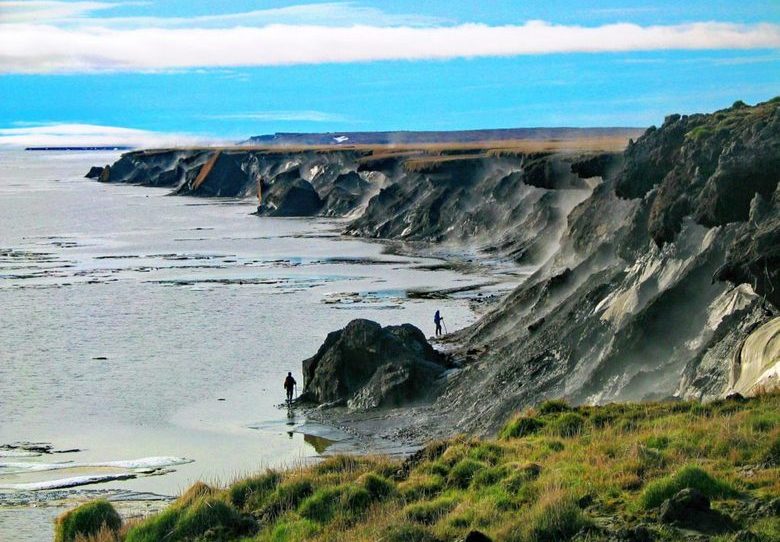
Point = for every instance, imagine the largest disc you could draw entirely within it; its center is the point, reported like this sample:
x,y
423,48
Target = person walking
x,y
289,386
437,319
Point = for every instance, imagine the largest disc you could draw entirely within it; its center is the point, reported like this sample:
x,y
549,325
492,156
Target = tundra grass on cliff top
x,y
555,473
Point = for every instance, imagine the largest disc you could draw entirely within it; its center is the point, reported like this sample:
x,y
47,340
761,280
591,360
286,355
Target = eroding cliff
x,y
653,272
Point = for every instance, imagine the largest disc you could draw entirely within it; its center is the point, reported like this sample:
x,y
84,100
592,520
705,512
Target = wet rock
x,y
372,366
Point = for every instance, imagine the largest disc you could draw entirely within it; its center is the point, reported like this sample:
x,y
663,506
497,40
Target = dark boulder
x,y
289,195
94,172
691,508
371,366
477,536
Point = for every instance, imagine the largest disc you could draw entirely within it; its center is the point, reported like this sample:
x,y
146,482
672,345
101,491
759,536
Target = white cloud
x,y
283,116
28,48
43,10
325,14
59,135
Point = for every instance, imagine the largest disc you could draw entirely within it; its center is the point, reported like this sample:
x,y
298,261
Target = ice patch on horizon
x,y
69,482
144,463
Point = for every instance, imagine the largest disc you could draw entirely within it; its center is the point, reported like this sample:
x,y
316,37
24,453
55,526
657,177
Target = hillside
x,y
621,472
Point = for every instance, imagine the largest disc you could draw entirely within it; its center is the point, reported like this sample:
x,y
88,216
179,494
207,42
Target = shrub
x,y
691,476
568,425
408,533
552,406
378,487
430,511
253,490
555,517
86,520
521,426
462,473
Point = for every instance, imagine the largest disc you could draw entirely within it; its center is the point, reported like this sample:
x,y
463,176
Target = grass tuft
x,y
378,487
408,533
553,406
568,425
463,472
522,426
689,476
86,520
430,511
252,491
555,517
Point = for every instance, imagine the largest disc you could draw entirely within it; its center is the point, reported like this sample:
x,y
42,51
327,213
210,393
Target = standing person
x,y
437,318
289,385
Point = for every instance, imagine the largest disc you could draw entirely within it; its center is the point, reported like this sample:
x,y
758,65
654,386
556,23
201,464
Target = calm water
x,y
126,315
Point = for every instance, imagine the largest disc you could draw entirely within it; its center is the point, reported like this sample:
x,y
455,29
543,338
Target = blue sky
x,y
228,70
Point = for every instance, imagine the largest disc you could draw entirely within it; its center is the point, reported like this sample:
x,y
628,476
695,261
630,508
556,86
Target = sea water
x,y
151,333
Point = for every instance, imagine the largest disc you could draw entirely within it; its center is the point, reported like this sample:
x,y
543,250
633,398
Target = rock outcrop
x,y
369,366
94,172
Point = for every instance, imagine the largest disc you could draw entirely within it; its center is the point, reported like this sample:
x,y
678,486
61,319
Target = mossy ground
x,y
582,473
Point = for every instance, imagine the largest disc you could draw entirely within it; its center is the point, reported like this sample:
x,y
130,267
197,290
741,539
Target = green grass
x,y
430,511
689,476
554,518
253,491
86,520
578,469
522,426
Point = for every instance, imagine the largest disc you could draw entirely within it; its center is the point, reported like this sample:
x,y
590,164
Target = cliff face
x,y
634,305
652,269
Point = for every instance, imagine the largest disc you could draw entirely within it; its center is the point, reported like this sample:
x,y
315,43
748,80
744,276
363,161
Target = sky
x,y
183,71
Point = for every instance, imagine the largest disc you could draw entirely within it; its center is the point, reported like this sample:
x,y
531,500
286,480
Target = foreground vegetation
x,y
554,473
